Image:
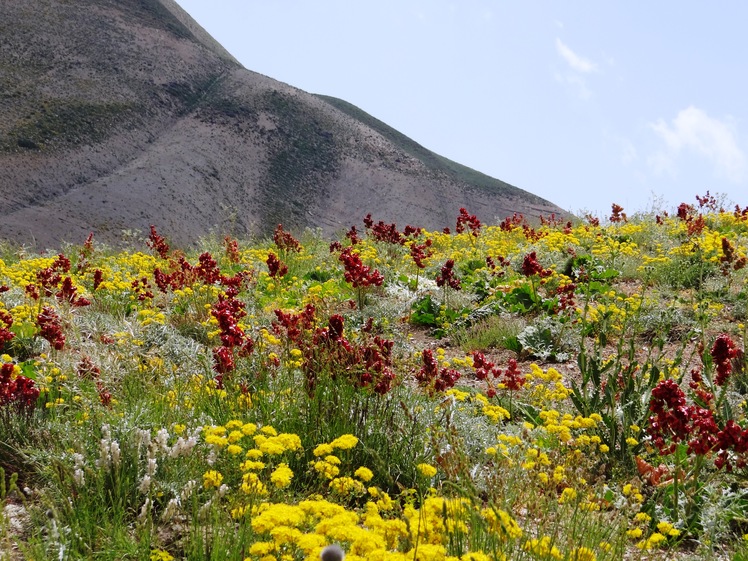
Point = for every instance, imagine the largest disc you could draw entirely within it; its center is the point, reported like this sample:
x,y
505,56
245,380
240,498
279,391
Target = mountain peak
x,y
145,119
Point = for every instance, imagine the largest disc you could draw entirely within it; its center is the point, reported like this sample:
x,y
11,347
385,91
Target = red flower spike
x,y
276,267
51,328
434,378
358,274
352,235
98,278
158,243
6,321
16,389
531,266
447,277
231,248
617,214
723,351
472,222
284,241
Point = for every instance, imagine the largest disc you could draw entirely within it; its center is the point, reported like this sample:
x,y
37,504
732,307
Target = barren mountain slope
x,y
118,114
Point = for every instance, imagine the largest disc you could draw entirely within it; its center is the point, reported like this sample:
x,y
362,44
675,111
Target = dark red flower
x,y
432,377
158,243
223,360
17,390
6,321
447,277
531,266
472,222
207,269
358,274
69,293
231,248
98,278
276,267
352,235
513,378
723,351
617,214
420,252
284,241
51,328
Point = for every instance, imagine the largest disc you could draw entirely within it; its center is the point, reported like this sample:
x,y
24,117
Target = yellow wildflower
x,y
426,470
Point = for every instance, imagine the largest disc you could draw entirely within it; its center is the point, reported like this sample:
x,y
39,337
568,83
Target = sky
x,y
584,103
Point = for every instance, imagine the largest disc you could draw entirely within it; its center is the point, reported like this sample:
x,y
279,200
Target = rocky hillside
x,y
118,114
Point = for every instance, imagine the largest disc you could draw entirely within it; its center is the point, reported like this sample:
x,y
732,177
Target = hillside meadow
x,y
547,391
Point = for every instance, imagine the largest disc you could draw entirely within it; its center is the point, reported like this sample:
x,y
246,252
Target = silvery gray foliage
x,y
544,340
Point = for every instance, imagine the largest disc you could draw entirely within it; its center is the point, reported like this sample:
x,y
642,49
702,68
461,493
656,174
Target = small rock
x,y
332,553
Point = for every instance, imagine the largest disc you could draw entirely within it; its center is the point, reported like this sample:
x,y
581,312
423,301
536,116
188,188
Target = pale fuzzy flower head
x,y
79,460
189,487
162,439
145,485
144,437
182,447
79,477
105,454
205,509
116,455
152,449
172,507
145,510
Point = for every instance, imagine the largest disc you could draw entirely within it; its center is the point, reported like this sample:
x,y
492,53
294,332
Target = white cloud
x,y
577,62
694,131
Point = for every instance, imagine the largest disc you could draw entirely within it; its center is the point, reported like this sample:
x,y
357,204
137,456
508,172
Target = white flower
x,y
116,455
79,477
144,437
79,460
182,447
145,510
187,491
172,507
162,439
105,456
145,485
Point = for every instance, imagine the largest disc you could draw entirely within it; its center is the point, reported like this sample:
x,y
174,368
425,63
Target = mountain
x,y
119,114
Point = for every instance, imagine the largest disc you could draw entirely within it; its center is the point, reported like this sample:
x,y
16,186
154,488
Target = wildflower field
x,y
556,390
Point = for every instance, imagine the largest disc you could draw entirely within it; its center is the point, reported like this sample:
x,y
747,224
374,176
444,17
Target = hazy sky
x,y
584,103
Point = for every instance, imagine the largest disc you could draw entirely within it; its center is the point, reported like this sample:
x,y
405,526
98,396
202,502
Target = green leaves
x,y
424,312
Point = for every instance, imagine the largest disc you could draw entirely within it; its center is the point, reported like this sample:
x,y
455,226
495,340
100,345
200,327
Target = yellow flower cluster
x,y
543,548
545,387
562,425
426,470
494,412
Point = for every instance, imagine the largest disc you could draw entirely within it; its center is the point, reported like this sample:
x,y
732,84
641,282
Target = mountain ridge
x,y
145,119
